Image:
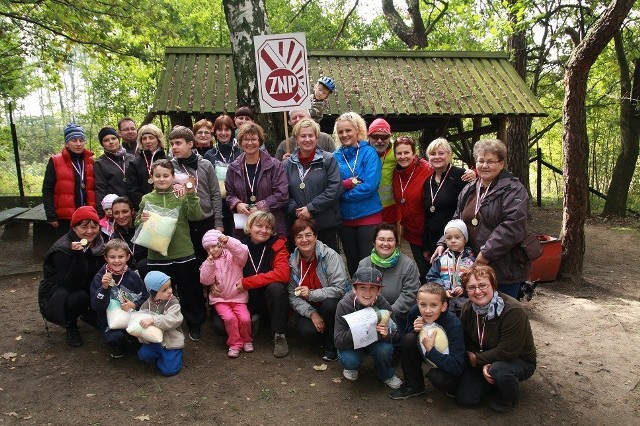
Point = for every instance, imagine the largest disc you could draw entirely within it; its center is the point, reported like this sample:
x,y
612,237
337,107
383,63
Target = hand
x,y
469,175
242,208
382,330
303,213
178,189
223,239
239,287
286,155
303,291
427,255
437,253
215,290
54,223
418,325
106,280
75,245
144,323
481,260
430,341
145,216
485,373
128,306
457,291
473,361
318,322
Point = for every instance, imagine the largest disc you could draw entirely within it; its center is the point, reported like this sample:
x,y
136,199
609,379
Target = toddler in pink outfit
x,y
222,270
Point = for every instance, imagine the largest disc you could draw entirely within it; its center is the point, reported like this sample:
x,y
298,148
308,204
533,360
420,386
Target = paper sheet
x,y
363,327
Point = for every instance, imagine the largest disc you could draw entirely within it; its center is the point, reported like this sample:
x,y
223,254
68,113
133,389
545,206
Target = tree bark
x,y
618,193
416,34
574,135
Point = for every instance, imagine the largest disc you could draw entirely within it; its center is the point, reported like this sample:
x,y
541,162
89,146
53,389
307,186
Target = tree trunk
x,y
618,193
518,127
245,18
574,135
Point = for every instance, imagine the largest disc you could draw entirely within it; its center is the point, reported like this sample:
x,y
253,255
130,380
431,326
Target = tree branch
x,y
304,6
344,24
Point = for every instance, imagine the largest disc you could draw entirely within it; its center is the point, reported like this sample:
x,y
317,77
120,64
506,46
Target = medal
x,y
403,186
297,292
253,198
354,180
189,185
82,185
302,185
431,181
432,209
84,242
150,180
402,201
474,221
124,179
112,283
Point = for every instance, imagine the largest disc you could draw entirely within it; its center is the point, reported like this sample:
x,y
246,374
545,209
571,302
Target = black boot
x,y
74,338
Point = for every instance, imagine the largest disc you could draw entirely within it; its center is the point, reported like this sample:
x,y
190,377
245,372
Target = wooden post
x,y
502,129
286,133
539,175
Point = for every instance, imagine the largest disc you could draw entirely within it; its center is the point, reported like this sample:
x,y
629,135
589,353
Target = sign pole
x,y
286,133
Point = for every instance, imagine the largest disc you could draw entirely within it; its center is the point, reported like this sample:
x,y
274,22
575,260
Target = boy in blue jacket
x,y
431,308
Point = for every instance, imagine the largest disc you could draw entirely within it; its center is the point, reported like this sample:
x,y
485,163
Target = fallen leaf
x,y
26,417
320,367
142,417
312,384
12,413
89,395
336,380
19,338
12,291
9,355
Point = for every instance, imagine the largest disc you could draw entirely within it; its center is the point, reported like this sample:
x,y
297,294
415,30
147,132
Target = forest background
x,y
95,61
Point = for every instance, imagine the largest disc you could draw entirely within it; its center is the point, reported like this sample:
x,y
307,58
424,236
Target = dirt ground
x,y
587,336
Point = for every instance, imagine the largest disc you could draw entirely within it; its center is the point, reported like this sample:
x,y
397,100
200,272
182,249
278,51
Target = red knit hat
x,y
82,213
379,125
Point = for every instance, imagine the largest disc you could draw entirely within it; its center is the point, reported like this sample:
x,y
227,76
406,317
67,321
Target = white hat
x,y
458,224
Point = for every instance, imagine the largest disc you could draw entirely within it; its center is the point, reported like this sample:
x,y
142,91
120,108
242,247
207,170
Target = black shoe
x,y
404,392
195,334
500,406
330,356
116,351
74,338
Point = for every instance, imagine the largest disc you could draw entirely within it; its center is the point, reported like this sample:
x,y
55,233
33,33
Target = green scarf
x,y
385,263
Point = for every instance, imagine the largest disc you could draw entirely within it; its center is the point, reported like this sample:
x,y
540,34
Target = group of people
x,y
262,236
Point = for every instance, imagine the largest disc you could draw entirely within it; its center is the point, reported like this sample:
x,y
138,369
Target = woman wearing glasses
x,y
69,267
499,343
495,210
399,271
203,131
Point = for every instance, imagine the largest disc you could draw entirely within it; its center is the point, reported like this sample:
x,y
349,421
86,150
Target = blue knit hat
x,y
155,280
73,131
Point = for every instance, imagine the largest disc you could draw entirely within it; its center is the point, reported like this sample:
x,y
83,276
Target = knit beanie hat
x,y
73,131
379,125
82,213
211,238
154,281
367,275
107,131
458,224
107,201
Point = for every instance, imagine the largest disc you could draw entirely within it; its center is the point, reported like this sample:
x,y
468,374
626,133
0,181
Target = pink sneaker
x,y
233,353
248,347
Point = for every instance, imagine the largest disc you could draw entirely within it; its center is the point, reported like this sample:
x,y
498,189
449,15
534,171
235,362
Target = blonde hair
x,y
150,129
303,124
439,143
356,120
259,216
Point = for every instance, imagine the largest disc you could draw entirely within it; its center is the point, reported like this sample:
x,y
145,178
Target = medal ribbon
x,y
306,272
433,196
303,175
123,169
259,263
79,170
481,335
252,183
479,198
403,188
352,169
149,163
189,174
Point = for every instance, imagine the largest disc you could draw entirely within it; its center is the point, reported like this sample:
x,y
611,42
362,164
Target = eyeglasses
x,y
128,129
386,240
203,132
307,236
481,287
379,137
487,162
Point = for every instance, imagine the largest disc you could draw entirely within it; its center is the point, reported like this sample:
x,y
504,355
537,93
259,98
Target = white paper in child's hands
x,y
363,327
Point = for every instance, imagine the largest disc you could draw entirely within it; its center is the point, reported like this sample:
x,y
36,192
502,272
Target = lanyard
x,y
113,281
306,272
252,183
259,263
132,251
352,169
303,175
219,151
481,335
433,196
149,163
189,174
80,171
123,169
404,187
479,199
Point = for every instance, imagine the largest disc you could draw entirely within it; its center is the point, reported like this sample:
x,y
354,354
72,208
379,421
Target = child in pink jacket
x,y
222,270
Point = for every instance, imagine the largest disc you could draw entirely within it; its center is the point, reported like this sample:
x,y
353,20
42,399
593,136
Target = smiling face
x,y
347,133
117,259
479,290
306,242
250,144
76,145
223,134
122,215
380,141
87,229
128,131
439,158
404,155
307,141
149,142
430,306
110,143
489,167
260,231
366,294
181,148
385,243
162,178
454,239
204,136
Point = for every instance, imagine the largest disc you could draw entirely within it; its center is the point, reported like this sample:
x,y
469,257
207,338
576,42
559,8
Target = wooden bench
x,y
44,235
13,230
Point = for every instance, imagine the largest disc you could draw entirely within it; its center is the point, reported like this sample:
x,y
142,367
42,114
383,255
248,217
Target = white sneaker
x,y
351,375
393,382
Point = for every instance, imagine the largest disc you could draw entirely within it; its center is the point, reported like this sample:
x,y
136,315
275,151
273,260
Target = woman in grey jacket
x,y
314,183
318,282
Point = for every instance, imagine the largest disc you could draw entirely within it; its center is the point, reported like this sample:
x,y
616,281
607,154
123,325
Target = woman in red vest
x,y
68,180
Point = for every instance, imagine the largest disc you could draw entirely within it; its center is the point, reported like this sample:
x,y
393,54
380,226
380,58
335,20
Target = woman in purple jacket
x,y
257,181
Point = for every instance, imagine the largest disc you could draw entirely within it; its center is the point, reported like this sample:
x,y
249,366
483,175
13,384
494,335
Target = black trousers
x,y
185,280
357,242
271,301
308,331
197,230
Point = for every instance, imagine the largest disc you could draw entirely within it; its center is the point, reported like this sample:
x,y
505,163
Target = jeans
x,y
380,351
168,361
506,375
510,289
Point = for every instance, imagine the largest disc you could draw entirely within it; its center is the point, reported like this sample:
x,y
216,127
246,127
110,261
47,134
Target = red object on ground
x,y
546,267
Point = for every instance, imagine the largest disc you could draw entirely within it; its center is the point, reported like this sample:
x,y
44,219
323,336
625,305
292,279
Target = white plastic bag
x,y
151,334
116,317
157,231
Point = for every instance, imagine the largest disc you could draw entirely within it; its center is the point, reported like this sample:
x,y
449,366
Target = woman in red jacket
x,y
266,275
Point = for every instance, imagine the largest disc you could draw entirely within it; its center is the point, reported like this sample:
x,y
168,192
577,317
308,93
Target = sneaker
x,y
280,346
74,338
116,351
233,353
255,324
393,382
405,391
247,347
500,406
195,334
330,356
351,375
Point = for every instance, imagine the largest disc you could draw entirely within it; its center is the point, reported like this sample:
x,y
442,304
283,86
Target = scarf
x,y
385,263
191,161
494,307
